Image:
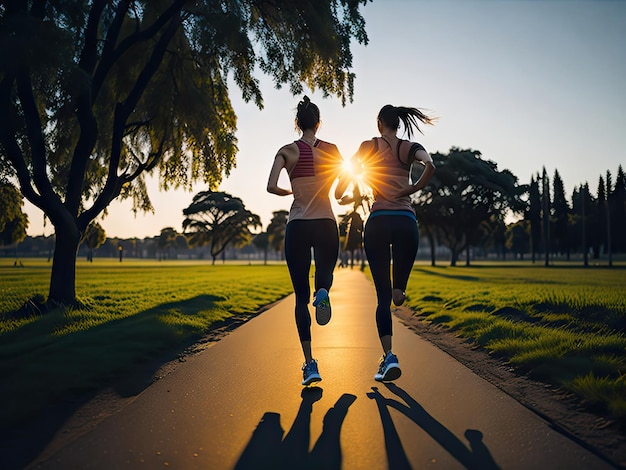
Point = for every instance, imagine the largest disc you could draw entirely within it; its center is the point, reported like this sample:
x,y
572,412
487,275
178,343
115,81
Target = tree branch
x,y
89,55
9,142
111,54
123,110
107,59
34,133
114,183
84,112
82,151
54,208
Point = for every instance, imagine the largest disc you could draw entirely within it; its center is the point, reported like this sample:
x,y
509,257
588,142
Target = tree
x,y
180,243
599,238
13,222
607,202
276,230
428,213
545,215
496,236
560,216
165,241
617,204
518,237
466,197
262,242
533,216
94,237
217,219
582,201
96,94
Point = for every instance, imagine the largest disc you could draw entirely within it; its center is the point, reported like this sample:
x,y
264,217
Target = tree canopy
x,y
94,237
13,222
276,230
465,194
218,219
96,94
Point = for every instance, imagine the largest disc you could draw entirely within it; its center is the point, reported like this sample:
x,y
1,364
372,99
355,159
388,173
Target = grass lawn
x,y
136,311
564,324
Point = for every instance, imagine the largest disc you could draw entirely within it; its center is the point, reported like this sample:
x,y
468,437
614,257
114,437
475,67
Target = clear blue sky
x,y
528,83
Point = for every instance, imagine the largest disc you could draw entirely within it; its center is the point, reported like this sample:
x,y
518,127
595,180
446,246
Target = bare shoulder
x,y
289,152
291,147
367,148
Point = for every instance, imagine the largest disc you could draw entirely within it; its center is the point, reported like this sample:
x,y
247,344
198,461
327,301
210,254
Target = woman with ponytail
x,y
391,233
313,165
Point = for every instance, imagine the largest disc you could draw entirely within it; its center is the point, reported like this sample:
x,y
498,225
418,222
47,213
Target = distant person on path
x,y
313,166
391,232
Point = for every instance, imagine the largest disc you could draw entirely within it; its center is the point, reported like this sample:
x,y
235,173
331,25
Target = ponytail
x,y
390,116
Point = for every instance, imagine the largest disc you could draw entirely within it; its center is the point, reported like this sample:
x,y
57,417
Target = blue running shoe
x,y
322,307
388,368
310,373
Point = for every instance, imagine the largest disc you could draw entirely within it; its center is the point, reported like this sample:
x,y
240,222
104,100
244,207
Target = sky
x,y
528,83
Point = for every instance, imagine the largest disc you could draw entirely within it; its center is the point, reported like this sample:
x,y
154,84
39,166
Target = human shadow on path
x,y
268,449
477,457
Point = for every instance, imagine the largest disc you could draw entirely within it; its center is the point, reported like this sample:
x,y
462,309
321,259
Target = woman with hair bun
x,y
391,234
313,165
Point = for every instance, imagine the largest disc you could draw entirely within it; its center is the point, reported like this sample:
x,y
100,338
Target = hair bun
x,y
305,102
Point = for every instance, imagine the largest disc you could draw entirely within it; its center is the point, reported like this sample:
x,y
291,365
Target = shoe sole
x,y
392,372
322,314
311,380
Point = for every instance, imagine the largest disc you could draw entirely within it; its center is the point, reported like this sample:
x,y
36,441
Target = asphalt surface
x,y
239,404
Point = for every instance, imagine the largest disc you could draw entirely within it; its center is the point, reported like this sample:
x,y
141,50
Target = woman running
x,y
313,165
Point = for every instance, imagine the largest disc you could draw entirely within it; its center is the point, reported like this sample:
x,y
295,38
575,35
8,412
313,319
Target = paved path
x,y
239,404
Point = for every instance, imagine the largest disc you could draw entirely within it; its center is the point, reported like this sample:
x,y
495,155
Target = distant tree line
x,y
464,208
465,205
588,224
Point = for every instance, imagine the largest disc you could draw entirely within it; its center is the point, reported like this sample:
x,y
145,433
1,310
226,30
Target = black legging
x,y
300,236
389,237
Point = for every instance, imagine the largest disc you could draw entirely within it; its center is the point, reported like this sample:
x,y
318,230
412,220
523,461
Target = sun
x,y
353,169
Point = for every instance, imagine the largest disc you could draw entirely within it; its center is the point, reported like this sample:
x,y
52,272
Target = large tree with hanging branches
x,y
95,95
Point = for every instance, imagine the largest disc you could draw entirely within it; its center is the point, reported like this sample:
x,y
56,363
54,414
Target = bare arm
x,y
342,186
272,183
427,174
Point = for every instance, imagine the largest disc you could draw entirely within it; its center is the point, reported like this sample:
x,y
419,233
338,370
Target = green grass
x,y
135,312
564,325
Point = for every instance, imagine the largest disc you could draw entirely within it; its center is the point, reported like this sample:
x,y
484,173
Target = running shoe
x,y
398,296
322,307
388,368
310,373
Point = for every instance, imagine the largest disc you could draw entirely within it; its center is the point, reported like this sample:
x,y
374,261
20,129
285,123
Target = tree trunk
x,y
453,257
609,248
63,277
431,242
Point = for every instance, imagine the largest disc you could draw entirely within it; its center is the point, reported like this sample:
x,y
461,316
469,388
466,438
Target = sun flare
x,y
354,170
